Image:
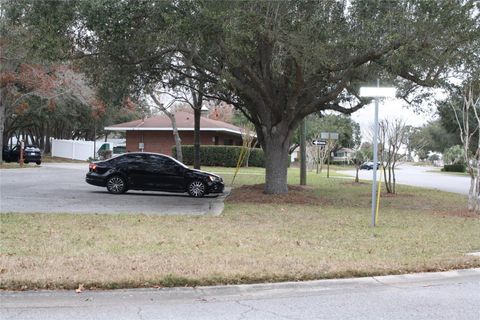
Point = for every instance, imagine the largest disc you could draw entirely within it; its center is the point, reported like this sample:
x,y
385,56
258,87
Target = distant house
x,y
344,155
155,134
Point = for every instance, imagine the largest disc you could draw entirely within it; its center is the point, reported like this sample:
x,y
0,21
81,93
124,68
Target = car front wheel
x,y
116,185
38,162
196,188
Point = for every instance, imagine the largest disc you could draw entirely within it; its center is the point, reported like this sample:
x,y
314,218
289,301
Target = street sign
x,y
329,135
319,142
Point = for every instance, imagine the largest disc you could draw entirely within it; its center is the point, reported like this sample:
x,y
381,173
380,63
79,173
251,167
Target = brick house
x,y
155,134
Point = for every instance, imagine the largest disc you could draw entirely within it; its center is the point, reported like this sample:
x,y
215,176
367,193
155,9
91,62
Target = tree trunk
x,y
387,182
2,123
196,137
276,148
394,191
176,136
48,145
471,192
477,184
356,174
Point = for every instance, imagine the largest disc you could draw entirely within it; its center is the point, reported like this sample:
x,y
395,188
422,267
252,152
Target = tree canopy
x,y
348,130
276,61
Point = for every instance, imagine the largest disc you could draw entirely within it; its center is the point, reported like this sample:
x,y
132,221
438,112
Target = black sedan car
x,y
151,171
31,153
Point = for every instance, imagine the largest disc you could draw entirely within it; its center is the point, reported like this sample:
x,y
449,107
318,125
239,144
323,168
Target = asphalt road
x,y
423,177
61,188
449,295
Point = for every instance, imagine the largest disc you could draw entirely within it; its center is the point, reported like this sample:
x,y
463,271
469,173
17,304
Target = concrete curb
x,y
217,204
229,292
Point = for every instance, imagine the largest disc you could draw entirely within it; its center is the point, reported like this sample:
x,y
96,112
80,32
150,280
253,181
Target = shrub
x,y
457,167
222,156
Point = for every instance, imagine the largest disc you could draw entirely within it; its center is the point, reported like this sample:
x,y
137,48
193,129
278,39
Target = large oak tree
x,y
284,60
277,61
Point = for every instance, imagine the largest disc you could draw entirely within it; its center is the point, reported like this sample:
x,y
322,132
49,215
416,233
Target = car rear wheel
x,y
116,185
196,188
38,162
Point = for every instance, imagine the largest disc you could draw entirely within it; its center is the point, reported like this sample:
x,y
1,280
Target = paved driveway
x,y
61,188
423,177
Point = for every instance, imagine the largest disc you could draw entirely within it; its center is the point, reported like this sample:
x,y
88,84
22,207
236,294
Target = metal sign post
x,y
329,136
376,92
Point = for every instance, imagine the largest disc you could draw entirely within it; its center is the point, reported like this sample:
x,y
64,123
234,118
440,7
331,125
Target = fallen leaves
x,y
80,288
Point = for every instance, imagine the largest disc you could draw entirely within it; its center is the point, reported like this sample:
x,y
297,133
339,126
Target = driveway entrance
x,y
61,188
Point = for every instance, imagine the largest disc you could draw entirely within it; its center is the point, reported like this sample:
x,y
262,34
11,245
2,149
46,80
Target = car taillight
x,y
92,166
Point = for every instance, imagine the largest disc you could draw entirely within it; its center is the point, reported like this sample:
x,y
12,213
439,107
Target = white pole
x,y
73,149
375,159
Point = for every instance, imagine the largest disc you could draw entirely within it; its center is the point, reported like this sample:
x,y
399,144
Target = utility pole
x,y
303,153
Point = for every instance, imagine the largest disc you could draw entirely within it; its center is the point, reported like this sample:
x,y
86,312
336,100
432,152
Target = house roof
x,y
346,150
185,122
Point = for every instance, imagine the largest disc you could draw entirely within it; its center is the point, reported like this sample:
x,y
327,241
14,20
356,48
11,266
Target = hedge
x,y
457,167
222,156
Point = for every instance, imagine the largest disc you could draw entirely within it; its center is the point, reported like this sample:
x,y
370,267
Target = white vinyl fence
x,y
73,149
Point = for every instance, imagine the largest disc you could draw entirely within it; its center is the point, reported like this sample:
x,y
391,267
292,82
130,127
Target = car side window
x,y
160,164
126,159
153,163
170,167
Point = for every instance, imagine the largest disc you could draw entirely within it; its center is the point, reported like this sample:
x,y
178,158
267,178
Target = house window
x,y
228,142
215,140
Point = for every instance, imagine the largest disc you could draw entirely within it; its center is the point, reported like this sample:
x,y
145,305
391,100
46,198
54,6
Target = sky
x,y
390,109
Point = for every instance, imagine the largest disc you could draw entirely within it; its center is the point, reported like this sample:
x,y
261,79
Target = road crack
x,y
253,309
139,313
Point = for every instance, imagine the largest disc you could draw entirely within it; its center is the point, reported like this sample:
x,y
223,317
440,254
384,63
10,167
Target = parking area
x,y
61,188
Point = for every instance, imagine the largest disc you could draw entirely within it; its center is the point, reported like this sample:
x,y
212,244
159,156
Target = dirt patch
x,y
353,183
459,213
391,195
295,195
397,195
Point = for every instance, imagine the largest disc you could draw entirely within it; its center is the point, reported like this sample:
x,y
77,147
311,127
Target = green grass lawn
x,y
269,238
45,159
459,174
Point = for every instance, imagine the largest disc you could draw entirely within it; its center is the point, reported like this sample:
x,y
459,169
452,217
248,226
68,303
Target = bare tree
x,y
249,140
470,103
192,96
171,116
316,155
392,136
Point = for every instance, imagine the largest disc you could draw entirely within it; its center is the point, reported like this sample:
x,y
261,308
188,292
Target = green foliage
x,y
449,122
348,130
434,157
431,137
277,60
457,167
240,120
223,156
454,155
